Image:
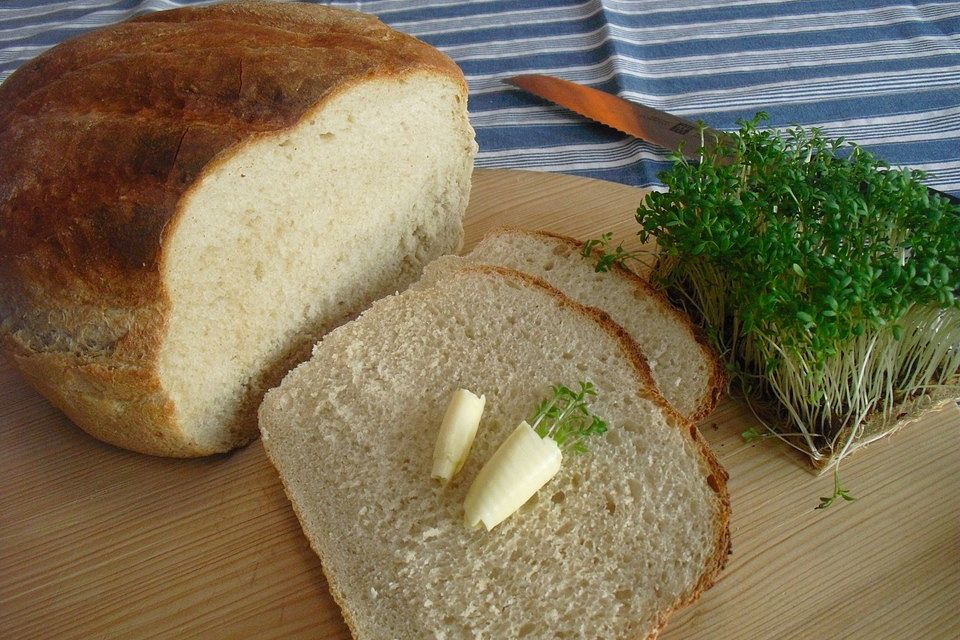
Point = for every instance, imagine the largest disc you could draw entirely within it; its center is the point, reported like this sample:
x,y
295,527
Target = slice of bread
x,y
190,198
684,366
622,536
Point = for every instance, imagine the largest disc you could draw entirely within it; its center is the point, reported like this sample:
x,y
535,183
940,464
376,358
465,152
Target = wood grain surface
x,y
96,542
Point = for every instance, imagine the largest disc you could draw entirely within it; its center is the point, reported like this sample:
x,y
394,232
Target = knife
x,y
632,118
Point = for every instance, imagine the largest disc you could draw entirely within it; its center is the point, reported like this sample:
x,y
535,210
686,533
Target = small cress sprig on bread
x,y
532,455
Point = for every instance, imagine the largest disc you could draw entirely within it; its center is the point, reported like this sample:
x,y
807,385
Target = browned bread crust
x,y
100,140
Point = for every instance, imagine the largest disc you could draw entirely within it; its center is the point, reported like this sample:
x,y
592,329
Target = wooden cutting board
x,y
96,542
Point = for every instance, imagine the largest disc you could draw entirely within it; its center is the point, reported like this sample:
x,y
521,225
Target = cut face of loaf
x,y
190,199
685,368
607,549
303,229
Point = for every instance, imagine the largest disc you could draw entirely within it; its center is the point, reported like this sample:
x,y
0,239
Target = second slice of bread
x,y
608,548
685,368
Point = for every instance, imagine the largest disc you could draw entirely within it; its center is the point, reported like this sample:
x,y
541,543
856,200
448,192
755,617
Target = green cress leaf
x,y
566,417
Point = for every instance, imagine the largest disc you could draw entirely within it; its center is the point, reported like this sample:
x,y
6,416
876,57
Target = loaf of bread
x,y
684,366
190,198
622,536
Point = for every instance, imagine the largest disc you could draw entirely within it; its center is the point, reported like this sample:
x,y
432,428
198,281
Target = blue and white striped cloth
x,y
884,73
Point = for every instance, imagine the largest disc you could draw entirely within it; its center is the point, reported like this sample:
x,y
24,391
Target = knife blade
x,y
632,118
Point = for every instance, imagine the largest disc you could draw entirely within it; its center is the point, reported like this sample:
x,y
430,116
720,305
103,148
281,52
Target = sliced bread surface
x,y
684,366
618,539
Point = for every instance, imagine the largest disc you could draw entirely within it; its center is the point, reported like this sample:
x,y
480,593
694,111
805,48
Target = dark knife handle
x,y
952,199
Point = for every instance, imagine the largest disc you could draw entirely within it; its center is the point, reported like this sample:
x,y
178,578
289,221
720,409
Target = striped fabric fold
x,y
882,73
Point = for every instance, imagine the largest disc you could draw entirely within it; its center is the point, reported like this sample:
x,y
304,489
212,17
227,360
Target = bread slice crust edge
x,y
717,385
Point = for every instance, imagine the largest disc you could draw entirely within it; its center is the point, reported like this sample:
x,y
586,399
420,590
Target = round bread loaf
x,y
190,198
